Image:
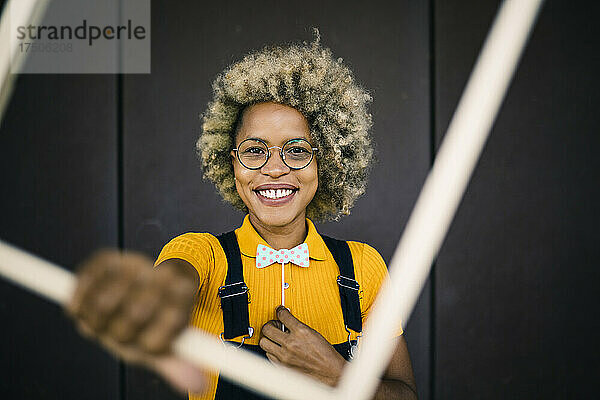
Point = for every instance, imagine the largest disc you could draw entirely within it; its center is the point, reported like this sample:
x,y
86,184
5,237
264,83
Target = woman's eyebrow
x,y
267,141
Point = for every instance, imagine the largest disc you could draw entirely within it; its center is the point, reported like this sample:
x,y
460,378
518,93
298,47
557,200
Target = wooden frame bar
x,y
19,13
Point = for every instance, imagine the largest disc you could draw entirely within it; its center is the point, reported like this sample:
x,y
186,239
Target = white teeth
x,y
275,194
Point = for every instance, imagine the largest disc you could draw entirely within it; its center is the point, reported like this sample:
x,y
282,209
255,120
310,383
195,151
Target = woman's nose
x,y
275,166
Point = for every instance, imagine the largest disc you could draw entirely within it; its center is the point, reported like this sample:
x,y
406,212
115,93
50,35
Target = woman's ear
x,y
233,157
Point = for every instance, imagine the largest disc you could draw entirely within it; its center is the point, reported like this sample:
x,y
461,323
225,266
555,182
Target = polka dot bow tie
x,y
266,256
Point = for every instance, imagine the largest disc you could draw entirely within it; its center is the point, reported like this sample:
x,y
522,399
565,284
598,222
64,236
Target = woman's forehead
x,y
273,123
273,139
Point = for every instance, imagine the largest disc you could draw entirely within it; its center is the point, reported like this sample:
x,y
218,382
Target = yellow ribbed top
x,y
312,296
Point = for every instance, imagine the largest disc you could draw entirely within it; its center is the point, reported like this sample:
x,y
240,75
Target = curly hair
x,y
307,78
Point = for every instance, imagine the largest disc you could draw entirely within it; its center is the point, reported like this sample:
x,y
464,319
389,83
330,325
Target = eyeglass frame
x,y
281,154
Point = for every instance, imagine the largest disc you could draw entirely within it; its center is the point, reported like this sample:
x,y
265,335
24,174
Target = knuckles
x,y
303,331
120,331
294,346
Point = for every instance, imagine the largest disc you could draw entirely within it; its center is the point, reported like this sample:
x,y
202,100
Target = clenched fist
x,y
137,311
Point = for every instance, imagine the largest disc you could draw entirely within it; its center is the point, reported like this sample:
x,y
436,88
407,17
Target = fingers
x,y
105,285
272,330
89,275
137,310
157,337
286,317
172,314
155,311
107,302
105,299
271,348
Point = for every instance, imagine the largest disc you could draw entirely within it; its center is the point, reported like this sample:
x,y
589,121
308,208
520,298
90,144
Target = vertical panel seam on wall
x,y
432,150
120,144
122,393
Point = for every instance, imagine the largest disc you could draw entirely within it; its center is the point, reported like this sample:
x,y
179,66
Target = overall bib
x,y
234,303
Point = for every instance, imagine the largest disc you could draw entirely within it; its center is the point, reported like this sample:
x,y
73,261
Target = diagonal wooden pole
x,y
441,194
16,13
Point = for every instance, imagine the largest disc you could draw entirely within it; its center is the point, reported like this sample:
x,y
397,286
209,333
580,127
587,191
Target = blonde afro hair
x,y
307,78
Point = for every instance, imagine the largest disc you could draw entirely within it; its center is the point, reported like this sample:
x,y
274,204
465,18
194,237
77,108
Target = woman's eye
x,y
297,150
254,150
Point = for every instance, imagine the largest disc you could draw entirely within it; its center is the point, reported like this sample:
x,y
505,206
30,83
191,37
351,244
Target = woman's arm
x,y
305,350
398,381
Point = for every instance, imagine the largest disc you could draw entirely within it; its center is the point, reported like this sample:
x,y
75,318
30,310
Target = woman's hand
x,y
301,347
136,312
304,349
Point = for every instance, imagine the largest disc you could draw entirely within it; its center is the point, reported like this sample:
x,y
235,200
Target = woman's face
x,y
293,189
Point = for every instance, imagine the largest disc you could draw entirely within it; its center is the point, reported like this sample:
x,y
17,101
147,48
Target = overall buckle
x,y
348,283
233,289
230,343
353,350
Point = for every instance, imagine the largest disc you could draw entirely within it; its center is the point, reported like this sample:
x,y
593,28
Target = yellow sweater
x,y
312,296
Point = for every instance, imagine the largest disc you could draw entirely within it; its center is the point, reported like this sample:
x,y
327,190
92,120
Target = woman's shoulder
x,y
364,253
368,263
194,247
194,237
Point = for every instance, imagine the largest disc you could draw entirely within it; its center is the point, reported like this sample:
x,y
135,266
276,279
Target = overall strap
x,y
234,294
347,284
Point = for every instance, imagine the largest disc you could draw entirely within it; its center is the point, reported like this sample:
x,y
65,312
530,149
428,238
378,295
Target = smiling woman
x,y
285,139
320,88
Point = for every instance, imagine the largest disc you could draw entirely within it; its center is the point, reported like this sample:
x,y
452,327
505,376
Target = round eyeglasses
x,y
295,153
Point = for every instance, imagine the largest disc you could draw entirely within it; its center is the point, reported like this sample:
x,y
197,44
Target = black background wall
x,y
516,299
105,160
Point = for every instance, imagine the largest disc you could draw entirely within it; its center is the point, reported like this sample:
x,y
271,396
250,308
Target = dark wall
x,y
58,177
517,305
92,161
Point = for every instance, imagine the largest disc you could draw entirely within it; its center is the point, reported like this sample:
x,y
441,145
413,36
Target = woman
x,y
286,140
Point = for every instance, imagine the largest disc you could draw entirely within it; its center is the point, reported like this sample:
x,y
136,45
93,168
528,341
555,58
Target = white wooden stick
x,y
36,274
16,13
57,284
442,192
282,290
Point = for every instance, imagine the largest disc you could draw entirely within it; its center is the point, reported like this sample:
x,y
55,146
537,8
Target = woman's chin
x,y
276,218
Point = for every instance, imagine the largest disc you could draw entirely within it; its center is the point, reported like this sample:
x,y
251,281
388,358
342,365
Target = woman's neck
x,y
282,237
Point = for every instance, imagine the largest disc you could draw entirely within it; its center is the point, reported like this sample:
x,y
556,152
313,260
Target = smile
x,y
278,194
275,193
